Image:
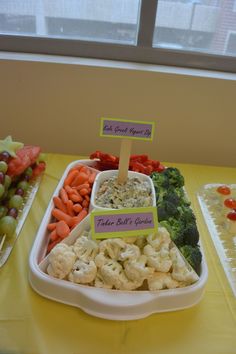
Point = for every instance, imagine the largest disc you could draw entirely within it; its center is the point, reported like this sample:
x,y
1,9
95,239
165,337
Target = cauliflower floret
x,y
113,276
112,247
99,281
181,271
161,281
131,239
110,273
141,242
83,272
148,250
100,259
61,260
131,252
126,284
85,249
160,260
156,240
136,270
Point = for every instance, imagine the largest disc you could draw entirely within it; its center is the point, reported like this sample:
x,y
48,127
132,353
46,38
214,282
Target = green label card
x,y
121,128
123,222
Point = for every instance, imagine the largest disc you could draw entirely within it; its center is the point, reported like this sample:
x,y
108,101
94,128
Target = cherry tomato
x,y
224,190
160,168
232,215
230,203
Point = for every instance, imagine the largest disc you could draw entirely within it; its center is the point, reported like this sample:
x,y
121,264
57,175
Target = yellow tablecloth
x,y
32,324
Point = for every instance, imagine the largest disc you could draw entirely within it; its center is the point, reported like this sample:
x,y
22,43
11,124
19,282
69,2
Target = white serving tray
x,y
225,243
27,203
104,303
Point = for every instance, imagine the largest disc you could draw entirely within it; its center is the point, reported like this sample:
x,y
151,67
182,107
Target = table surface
x,y
32,324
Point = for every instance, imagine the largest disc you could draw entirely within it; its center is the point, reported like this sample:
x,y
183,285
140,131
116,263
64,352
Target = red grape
x,y
20,191
4,156
13,212
2,177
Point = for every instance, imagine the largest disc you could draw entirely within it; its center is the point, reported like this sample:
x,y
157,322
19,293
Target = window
x,y
203,28
93,20
231,43
104,21
190,33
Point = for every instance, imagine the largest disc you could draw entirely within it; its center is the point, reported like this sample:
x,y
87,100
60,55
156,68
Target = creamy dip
x,y
133,193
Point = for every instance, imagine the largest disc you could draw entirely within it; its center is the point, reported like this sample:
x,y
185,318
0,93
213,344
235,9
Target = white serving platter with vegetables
x,y
108,301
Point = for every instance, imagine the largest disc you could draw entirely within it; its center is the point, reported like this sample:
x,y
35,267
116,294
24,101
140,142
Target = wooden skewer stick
x,y
2,241
125,150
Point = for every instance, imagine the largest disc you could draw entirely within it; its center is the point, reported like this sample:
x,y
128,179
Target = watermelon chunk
x,y
38,169
25,157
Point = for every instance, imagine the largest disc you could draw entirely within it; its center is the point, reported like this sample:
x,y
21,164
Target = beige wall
x,y
58,106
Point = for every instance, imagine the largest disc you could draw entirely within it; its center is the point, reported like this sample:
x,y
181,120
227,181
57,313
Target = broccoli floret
x,y
193,256
174,177
165,210
182,196
160,180
175,229
172,196
191,234
160,193
186,214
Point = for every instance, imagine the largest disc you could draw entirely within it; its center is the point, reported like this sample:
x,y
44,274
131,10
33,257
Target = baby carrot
x,y
62,229
63,195
51,226
68,189
85,203
69,206
60,215
85,169
77,207
71,191
74,191
87,197
53,235
53,244
92,177
79,179
59,204
83,191
81,186
78,167
79,217
75,168
76,198
70,177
